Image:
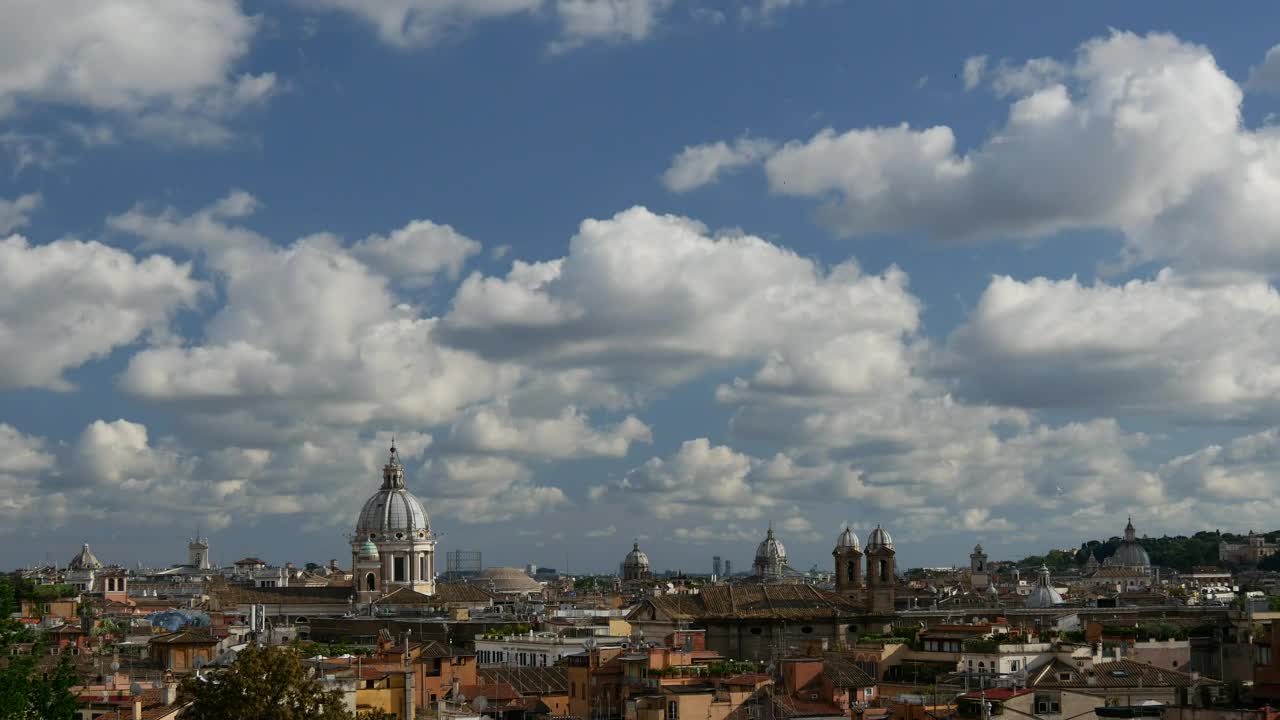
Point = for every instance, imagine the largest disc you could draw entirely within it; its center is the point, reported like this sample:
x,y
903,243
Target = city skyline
x,y
672,271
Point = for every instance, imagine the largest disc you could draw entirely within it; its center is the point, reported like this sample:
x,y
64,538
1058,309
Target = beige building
x,y
1252,551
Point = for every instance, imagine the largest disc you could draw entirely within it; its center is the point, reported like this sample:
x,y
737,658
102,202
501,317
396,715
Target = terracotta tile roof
x,y
529,680
434,649
1117,572
493,692
194,636
842,673
405,596
764,602
461,593
231,596
1116,674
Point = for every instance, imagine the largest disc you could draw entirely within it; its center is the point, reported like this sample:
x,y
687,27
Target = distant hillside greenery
x,y
1177,552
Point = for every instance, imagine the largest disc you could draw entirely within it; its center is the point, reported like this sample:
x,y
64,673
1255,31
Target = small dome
x,y
847,540
879,538
507,580
368,551
1043,595
977,549
85,560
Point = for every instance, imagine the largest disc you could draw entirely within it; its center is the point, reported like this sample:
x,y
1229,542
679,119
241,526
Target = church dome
x,y
1043,595
636,559
1131,554
847,540
393,513
879,538
770,550
368,551
85,560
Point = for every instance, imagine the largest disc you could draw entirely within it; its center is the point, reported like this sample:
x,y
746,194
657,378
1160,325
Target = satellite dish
x,y
115,666
589,643
200,662
480,703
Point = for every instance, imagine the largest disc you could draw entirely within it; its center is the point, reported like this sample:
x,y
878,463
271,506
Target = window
x,y
397,565
807,629
1048,704
370,582
422,572
851,569
1013,666
1064,677
756,630
1263,653
673,710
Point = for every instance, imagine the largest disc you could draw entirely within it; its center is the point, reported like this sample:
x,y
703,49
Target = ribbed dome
x,y
847,540
636,558
770,550
1043,595
393,513
977,549
879,538
1131,555
85,560
368,551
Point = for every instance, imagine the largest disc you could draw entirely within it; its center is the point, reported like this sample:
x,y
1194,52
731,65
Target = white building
x,y
534,649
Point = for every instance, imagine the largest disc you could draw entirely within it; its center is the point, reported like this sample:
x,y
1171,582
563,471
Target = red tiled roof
x,y
501,692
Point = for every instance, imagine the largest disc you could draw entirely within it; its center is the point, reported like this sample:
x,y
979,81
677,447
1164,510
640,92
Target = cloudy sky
x,y
667,269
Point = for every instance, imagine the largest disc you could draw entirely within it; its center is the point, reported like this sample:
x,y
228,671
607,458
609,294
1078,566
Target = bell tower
x,y
848,564
882,572
979,575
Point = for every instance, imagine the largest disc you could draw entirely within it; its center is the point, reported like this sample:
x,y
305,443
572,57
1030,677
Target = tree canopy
x,y
262,684
25,690
1179,552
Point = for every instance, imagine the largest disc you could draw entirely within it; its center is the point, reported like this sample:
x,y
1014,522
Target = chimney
x,y
137,709
1117,652
170,693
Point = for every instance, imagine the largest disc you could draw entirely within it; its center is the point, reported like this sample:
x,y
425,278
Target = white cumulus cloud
x,y
68,302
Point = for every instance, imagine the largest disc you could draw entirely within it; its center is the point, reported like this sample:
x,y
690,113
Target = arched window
x,y
982,667
884,570
851,569
370,582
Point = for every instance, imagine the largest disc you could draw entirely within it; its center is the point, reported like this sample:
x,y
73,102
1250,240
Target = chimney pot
x,y
137,709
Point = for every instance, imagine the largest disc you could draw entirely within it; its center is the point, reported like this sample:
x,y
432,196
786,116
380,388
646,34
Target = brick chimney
x,y
170,693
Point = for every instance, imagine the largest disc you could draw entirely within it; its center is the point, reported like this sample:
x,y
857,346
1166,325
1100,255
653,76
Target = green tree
x,y
25,691
262,684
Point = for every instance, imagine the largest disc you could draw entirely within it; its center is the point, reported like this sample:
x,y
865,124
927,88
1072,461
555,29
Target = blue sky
x,y
667,269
